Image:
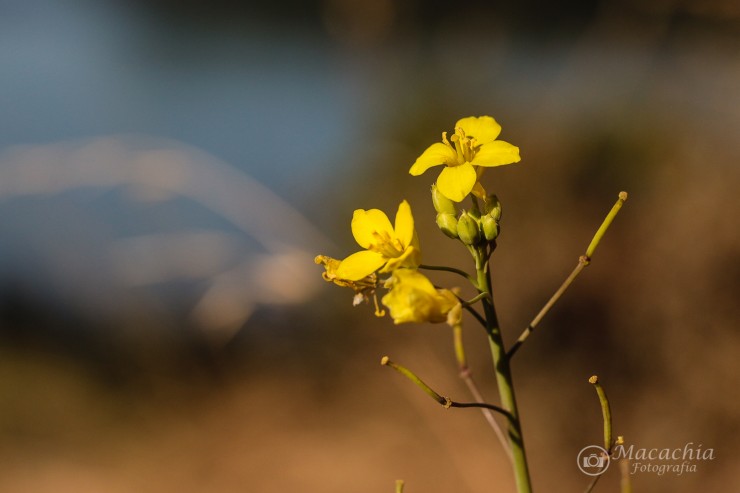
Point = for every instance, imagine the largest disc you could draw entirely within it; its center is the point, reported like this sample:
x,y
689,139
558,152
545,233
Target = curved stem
x,y
476,299
444,401
450,269
477,315
484,405
472,311
605,411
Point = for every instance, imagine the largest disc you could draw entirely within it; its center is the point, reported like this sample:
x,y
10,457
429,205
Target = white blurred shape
x,y
166,257
269,279
156,170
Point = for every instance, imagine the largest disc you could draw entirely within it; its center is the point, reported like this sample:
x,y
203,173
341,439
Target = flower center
x,y
386,246
464,146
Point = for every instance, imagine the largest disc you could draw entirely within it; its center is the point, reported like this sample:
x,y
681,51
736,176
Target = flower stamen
x,y
386,246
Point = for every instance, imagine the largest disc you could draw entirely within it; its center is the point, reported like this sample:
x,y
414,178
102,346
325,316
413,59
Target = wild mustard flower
x,y
413,298
387,247
472,145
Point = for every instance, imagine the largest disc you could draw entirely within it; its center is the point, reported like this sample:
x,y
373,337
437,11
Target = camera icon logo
x,y
593,460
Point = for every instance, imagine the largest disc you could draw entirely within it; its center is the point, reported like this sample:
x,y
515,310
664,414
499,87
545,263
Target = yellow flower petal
x,y
413,298
435,155
496,153
456,182
404,225
366,224
411,258
483,128
359,265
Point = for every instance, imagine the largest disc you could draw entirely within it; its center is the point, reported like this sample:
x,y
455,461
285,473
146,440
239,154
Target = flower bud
x,y
448,224
442,204
490,227
493,207
467,229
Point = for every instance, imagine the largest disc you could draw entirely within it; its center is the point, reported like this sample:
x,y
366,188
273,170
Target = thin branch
x,y
583,261
475,299
481,405
467,376
592,484
625,486
472,311
444,401
450,269
605,225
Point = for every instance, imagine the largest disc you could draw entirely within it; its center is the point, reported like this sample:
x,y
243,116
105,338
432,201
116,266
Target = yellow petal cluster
x,y
473,146
387,247
413,298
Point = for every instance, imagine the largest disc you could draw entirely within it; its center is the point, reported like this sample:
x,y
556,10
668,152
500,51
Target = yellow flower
x,y
413,298
473,144
386,246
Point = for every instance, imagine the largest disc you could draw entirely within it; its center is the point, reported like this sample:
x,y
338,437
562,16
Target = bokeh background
x,y
169,169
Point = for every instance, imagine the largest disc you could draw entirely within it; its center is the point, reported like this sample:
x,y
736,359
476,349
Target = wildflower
x,y
413,298
472,145
364,288
386,247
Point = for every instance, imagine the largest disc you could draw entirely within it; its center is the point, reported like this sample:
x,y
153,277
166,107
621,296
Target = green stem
x,y
605,411
476,299
467,376
503,375
449,269
605,225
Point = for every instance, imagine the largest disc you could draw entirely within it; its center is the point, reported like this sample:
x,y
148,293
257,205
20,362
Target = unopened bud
x,y
493,207
467,229
448,224
490,228
442,204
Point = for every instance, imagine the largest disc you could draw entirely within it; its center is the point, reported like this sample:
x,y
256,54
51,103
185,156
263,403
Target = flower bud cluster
x,y
471,227
446,212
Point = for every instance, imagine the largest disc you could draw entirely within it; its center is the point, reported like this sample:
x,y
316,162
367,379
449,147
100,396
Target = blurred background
x,y
169,169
